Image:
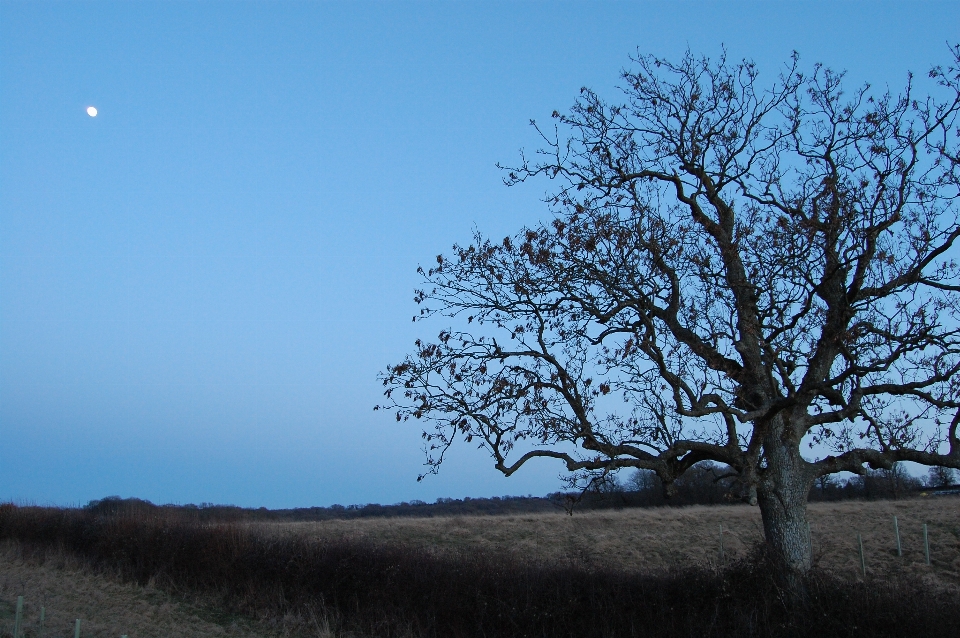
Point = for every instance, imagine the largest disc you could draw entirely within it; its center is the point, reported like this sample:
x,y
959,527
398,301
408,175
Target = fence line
x,y
860,551
18,626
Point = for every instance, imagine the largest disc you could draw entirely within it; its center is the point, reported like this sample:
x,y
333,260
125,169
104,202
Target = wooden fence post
x,y
76,629
43,615
863,563
896,530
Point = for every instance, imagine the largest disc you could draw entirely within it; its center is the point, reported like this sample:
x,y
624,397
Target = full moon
x,y
91,111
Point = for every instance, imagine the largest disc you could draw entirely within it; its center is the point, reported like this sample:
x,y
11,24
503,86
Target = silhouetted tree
x,y
825,484
940,476
733,271
644,481
898,480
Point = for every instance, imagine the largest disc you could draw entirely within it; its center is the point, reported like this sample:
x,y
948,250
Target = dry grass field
x,y
106,607
663,537
635,540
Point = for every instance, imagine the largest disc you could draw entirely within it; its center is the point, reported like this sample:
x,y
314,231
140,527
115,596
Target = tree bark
x,y
782,497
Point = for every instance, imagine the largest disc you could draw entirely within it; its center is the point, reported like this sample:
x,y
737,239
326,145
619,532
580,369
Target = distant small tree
x,y
892,482
608,484
734,272
940,476
706,482
899,479
643,481
825,483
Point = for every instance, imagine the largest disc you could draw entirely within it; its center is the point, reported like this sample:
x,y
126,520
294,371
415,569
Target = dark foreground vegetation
x,y
366,589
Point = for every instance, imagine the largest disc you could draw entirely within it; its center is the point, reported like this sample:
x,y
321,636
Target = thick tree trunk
x,y
782,497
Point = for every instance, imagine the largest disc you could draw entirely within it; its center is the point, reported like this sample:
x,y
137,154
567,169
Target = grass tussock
x,y
359,587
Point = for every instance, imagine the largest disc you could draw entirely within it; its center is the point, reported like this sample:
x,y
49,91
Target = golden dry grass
x,y
106,607
659,538
633,540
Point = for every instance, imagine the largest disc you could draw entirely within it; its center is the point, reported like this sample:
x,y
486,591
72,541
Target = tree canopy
x,y
733,271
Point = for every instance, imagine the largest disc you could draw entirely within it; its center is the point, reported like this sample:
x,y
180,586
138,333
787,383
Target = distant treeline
x,y
704,484
114,505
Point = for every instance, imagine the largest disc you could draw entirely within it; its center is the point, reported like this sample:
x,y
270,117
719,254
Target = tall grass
x,y
398,591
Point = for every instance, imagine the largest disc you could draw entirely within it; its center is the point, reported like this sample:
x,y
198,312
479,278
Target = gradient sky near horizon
x,y
199,286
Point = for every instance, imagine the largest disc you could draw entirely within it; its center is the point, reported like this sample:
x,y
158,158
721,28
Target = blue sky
x,y
199,286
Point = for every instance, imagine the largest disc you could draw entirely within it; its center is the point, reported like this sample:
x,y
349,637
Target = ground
x,y
662,537
107,608
636,539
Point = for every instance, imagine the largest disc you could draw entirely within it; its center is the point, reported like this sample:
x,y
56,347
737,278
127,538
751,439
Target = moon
x,y
91,111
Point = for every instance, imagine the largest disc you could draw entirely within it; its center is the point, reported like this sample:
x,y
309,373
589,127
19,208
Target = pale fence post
x,y
896,530
18,619
863,563
926,544
76,629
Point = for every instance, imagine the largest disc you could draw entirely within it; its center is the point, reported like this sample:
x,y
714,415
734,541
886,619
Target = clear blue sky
x,y
199,286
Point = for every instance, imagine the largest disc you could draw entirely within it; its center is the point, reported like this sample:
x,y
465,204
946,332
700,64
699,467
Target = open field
x,y
601,573
68,590
660,538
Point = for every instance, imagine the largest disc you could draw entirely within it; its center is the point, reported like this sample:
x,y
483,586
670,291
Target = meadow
x,y
660,538
633,572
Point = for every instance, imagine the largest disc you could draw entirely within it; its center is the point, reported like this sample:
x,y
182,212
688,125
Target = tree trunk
x,y
782,497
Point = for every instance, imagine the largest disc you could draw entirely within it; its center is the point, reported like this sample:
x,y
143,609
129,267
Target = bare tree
x,y
643,480
894,481
733,272
939,476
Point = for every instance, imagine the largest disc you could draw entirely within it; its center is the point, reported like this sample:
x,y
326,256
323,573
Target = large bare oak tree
x,y
756,274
